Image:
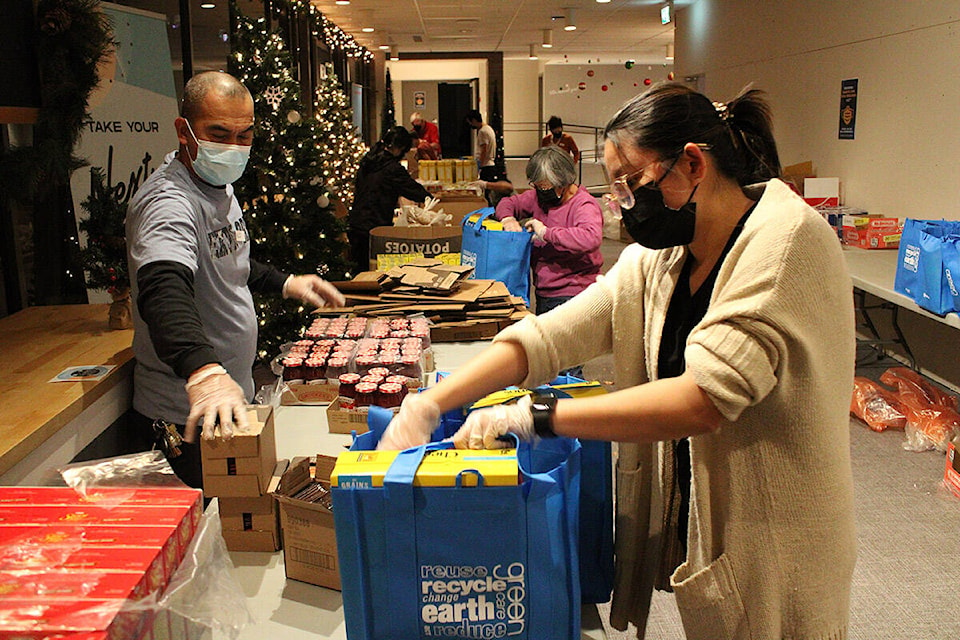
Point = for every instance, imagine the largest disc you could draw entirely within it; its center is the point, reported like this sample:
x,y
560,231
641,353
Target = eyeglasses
x,y
622,192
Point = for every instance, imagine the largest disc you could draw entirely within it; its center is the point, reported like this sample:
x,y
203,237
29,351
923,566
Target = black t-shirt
x,y
685,311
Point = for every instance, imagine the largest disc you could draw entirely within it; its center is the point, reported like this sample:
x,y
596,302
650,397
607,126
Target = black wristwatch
x,y
543,408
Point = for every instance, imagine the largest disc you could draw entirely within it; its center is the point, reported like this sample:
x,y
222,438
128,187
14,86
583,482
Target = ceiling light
x,y
368,29
343,1
384,47
669,55
602,1
547,38
533,52
394,54
571,21
207,5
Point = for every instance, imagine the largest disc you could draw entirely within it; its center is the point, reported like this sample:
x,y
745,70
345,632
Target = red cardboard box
x,y
868,232
951,475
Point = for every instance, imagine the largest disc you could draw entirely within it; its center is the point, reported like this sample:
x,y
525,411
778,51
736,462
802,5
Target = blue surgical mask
x,y
217,163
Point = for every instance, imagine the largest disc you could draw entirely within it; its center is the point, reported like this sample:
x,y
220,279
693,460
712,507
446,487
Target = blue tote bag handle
x,y
485,213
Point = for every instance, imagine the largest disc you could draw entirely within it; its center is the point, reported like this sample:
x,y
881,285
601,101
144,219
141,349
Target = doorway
x,y
455,99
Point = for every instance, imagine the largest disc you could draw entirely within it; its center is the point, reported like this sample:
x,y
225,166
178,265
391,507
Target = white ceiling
x,y
614,32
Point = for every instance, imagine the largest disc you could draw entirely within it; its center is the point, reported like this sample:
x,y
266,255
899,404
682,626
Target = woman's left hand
x,y
484,427
536,227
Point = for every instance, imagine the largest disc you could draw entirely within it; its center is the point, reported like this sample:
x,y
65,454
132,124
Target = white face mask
x,y
217,163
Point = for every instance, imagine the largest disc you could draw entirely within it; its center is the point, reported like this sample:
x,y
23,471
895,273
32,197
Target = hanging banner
x,y
848,109
131,112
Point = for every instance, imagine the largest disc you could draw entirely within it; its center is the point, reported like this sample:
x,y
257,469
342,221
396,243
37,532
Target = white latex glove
x,y
314,290
511,224
484,426
213,393
537,227
482,184
412,426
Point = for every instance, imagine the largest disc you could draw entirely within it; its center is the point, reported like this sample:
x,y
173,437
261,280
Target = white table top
x,y
294,610
874,271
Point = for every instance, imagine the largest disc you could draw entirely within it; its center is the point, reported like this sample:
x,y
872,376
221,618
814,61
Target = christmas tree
x,y
104,258
388,118
298,165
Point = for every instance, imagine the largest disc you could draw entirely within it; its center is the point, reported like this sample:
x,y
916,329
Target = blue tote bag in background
x,y
922,273
497,255
462,561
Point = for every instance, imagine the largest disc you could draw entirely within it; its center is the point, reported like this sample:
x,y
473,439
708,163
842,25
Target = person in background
x,y
734,362
381,181
427,135
558,138
567,228
195,327
486,147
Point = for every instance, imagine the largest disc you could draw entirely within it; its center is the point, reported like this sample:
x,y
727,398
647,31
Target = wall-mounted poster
x,y
131,111
848,108
419,99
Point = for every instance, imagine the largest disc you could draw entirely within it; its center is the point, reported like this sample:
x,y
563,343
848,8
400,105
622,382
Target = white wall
x,y
521,107
451,70
905,160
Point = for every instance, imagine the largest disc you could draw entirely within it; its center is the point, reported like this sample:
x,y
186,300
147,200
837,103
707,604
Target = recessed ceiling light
x,y
343,1
384,47
367,29
207,5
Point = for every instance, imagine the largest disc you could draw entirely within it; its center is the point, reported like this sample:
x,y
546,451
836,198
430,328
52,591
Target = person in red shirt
x,y
429,137
558,138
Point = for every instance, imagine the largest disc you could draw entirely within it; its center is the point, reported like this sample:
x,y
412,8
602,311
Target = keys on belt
x,y
167,438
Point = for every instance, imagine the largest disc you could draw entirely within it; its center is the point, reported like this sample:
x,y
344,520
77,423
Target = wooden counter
x,y
53,421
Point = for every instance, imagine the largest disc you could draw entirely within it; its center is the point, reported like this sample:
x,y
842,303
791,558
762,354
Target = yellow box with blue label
x,y
440,468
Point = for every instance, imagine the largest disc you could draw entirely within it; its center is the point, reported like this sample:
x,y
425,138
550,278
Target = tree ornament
x,y
323,201
273,96
293,117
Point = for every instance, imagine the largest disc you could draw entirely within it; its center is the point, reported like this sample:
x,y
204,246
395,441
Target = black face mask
x,y
655,225
548,198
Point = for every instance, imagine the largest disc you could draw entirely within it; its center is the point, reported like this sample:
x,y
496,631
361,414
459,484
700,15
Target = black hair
x,y
554,122
397,137
473,114
738,134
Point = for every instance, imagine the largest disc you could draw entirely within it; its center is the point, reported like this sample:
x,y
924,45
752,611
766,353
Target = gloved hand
x,y
314,290
412,426
213,393
484,426
537,227
511,224
482,184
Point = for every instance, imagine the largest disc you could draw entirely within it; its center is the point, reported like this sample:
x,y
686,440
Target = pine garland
x,y
73,37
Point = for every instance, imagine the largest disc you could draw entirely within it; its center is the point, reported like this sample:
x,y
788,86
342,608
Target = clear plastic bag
x,y
876,405
201,593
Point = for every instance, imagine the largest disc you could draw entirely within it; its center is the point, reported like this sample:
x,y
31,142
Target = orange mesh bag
x,y
932,417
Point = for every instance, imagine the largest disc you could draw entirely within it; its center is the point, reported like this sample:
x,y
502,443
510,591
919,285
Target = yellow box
x,y
439,468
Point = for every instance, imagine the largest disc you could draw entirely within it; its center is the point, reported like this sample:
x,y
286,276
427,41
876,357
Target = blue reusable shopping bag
x,y
497,255
596,511
464,562
921,272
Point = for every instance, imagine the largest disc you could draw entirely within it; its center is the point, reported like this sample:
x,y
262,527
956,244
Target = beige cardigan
x,y
771,538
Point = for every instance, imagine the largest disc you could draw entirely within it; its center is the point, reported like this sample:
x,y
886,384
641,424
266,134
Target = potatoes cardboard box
x,y
951,475
391,246
253,524
242,466
309,538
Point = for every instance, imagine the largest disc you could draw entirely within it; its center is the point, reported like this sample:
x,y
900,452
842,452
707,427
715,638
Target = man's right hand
x,y
214,394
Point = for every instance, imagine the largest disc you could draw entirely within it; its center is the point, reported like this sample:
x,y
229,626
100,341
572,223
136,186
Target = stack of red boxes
x,y
72,565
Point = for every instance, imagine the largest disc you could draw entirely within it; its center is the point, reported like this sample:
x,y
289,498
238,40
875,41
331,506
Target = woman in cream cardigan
x,y
732,333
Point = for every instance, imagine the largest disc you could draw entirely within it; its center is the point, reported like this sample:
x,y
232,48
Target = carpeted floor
x,y
907,580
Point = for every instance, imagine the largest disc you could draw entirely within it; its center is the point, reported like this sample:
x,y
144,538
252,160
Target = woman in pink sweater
x,y
567,228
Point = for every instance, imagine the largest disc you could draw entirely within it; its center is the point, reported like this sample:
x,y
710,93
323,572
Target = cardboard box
x,y
309,393
821,192
346,420
872,232
951,474
253,524
439,468
392,246
461,206
309,537
470,330
253,451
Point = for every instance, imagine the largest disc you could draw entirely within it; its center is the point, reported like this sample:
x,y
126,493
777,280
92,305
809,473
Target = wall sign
x,y
419,99
848,108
